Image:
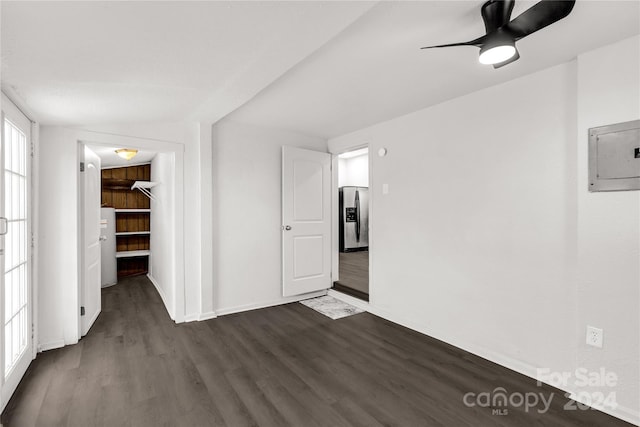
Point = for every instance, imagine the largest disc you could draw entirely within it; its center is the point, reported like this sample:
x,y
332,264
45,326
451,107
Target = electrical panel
x,y
614,157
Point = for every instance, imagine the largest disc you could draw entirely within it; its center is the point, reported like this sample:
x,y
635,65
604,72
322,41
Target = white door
x,y
91,278
15,247
306,221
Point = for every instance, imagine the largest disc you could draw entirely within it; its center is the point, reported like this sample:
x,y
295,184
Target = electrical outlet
x,y
594,336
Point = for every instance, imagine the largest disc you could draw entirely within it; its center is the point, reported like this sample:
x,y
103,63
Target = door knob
x,y
287,227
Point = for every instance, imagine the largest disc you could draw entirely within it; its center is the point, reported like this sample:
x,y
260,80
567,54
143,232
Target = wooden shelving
x,y
131,254
133,214
117,184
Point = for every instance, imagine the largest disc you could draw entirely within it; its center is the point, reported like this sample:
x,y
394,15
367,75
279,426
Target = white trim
x,y
363,305
199,317
52,345
281,301
35,202
191,317
162,295
500,359
208,315
622,412
93,138
335,226
125,166
335,218
10,94
12,112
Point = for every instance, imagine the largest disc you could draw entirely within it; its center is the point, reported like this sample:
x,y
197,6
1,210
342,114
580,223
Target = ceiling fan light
x,y
490,55
127,153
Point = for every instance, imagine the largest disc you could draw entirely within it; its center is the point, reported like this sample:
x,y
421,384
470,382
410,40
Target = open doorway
x,y
116,199
125,221
128,233
353,224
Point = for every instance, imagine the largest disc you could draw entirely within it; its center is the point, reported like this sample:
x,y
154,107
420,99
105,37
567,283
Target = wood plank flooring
x,y
280,366
354,271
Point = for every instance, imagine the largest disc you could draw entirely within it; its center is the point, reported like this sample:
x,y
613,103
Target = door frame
x,y
89,138
335,220
32,227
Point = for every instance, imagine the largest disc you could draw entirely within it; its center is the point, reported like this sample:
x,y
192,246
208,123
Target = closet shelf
x,y
133,233
144,187
133,211
130,254
117,184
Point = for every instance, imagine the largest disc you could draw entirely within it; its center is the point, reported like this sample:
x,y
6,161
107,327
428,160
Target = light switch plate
x,y
385,188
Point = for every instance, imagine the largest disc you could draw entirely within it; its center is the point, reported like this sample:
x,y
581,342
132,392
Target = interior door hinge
x,y
81,166
82,311
33,149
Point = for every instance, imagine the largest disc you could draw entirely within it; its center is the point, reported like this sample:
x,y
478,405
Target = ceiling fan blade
x,y
538,16
508,61
477,42
496,13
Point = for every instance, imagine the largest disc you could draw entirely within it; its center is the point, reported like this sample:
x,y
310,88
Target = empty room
x,y
320,213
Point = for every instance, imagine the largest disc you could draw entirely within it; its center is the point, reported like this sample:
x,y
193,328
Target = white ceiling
x,y
319,68
112,62
109,158
374,70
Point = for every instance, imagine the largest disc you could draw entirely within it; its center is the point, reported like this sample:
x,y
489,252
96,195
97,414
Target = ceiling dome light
x,y
499,48
127,153
496,55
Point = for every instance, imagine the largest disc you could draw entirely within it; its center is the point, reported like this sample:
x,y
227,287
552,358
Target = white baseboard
x,y
621,412
255,306
362,305
162,296
208,315
198,317
500,359
51,345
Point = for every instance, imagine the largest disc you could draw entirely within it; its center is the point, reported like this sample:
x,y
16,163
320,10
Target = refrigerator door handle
x,y
357,216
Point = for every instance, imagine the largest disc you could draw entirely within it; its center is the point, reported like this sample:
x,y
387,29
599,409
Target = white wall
x,y
161,270
58,238
492,239
248,213
58,219
608,266
354,171
198,240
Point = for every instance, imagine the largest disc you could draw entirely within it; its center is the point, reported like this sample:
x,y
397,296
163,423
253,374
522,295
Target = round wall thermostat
x,y
382,152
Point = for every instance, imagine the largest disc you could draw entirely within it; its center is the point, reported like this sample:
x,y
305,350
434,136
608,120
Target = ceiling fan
x,y
498,45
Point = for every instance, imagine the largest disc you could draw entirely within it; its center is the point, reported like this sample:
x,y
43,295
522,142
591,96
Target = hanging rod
x,y
144,187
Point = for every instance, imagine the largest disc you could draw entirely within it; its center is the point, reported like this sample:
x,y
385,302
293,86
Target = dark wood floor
x,y
280,366
354,273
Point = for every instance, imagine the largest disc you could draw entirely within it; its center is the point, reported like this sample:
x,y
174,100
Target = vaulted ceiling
x,y
143,61
374,70
319,68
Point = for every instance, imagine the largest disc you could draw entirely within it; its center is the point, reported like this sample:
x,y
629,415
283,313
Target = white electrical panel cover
x,y
614,157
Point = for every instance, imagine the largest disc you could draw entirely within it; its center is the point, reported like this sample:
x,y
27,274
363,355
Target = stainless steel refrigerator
x,y
354,219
